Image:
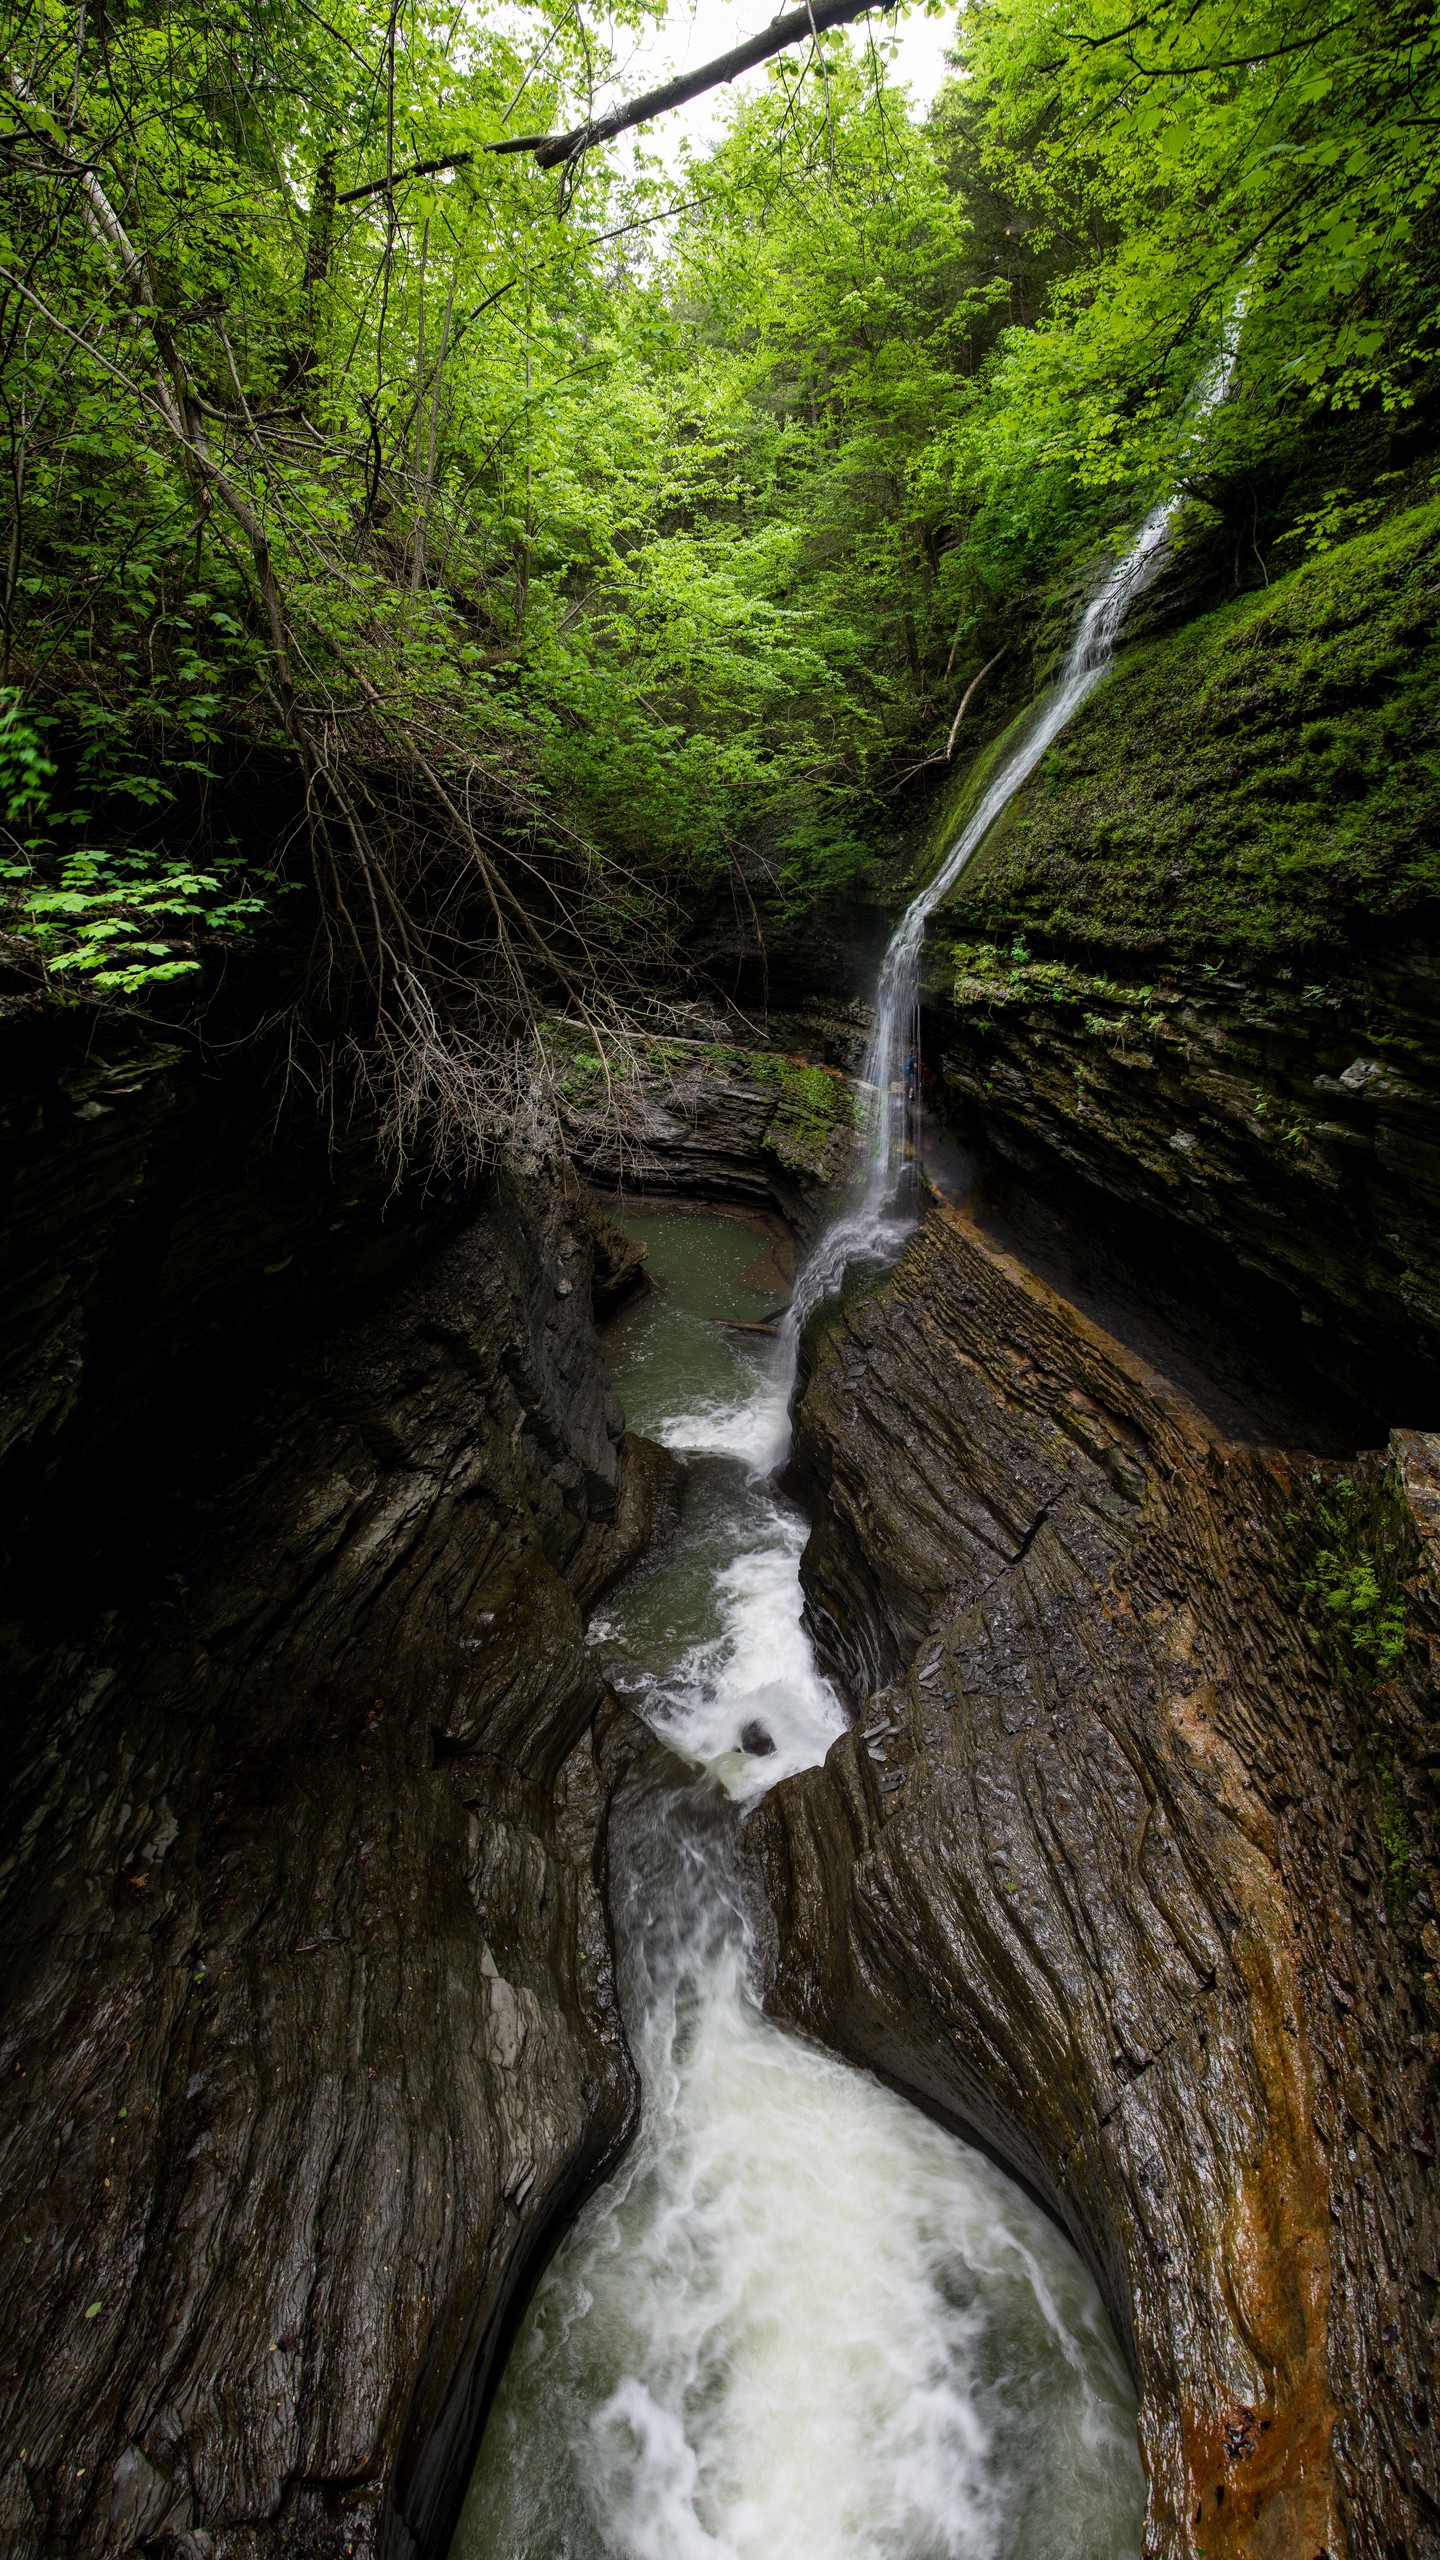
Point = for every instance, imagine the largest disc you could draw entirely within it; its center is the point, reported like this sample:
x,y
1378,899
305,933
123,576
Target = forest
x,y
466,575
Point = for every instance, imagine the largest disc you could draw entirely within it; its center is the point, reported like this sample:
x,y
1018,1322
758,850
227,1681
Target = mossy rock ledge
x,y
1260,784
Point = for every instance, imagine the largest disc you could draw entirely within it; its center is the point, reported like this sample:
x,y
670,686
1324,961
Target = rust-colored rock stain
x,y
1117,1915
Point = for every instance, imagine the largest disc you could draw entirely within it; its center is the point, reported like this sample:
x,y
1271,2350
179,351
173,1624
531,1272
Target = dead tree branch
x,y
966,698
552,150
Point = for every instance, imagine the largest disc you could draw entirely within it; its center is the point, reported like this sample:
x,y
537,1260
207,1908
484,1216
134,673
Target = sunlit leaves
x,y
1275,155
672,512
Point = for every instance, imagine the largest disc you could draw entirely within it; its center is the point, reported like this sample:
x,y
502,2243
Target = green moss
x,y
1129,1017
814,1106
984,972
1357,1555
1263,779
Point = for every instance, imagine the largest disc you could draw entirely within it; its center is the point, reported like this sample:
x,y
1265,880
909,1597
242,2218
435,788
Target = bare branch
x,y
417,169
966,698
550,150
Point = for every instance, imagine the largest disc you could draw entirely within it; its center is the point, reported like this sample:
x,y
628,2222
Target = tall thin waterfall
x,y
894,1039
874,1224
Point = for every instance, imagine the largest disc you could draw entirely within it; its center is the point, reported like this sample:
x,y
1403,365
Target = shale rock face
x,y
713,1122
1101,1875
1277,1143
158,1210
311,2041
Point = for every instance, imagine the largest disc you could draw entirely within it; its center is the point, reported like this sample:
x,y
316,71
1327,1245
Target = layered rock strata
x,y
1274,1145
712,1122
165,1214
311,2041
1117,1872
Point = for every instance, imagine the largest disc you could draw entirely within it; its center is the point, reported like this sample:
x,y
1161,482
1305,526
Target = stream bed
x,y
800,2321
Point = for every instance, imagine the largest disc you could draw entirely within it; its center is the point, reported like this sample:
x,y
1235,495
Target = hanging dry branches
x,y
454,914
966,699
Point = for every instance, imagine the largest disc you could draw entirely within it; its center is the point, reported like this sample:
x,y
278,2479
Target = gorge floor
x,y
801,2317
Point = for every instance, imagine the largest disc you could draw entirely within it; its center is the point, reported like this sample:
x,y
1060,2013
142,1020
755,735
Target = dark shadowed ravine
x,y
801,2319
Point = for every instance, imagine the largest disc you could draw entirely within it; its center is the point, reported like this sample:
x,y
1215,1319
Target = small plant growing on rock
x,y
1357,1552
1355,1583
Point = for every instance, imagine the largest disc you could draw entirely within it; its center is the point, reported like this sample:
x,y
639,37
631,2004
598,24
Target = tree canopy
x,y
497,561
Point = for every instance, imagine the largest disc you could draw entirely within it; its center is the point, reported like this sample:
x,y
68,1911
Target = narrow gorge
x,y
720,1283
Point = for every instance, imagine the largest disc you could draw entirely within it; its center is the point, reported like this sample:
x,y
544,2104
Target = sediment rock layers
x,y
311,2041
1273,1144
711,1122
1102,1873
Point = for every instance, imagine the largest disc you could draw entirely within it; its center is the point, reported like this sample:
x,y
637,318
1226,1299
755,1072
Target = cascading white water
x,y
801,2322
873,1226
896,1032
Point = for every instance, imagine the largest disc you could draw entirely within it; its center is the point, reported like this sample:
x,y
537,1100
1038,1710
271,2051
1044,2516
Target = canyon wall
x,y
1121,1870
1124,1547
1269,1146
310,2045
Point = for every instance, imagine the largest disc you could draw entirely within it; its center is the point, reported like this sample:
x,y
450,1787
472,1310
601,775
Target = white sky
x,y
694,31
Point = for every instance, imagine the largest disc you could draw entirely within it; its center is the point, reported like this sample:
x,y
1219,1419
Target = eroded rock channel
x,y
1078,1835
800,2318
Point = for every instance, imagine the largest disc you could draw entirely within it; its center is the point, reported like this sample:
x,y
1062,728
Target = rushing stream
x,y
801,2322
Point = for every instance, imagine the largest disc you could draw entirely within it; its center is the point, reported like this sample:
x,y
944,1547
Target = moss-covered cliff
x,y
1262,781
1187,993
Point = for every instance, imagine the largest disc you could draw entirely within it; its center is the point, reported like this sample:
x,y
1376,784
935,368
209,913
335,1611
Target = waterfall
x,y
801,2321
874,1224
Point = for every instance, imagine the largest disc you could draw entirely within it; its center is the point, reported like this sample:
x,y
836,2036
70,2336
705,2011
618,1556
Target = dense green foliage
x,y
1266,164
1264,778
1355,1578
510,565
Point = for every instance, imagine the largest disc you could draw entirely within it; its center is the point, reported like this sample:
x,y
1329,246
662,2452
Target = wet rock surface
x,y
708,1121
1116,1871
163,1210
310,2043
1274,1146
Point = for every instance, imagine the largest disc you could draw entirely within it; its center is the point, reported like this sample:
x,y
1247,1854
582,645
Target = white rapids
x,y
801,2322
